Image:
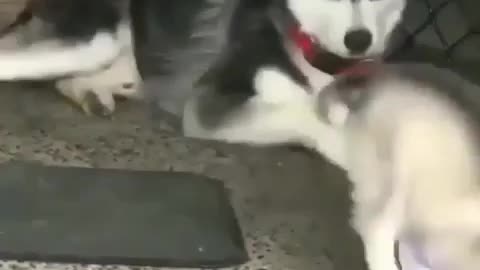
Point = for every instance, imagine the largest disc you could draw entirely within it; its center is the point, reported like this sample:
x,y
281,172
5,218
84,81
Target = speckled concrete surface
x,y
292,205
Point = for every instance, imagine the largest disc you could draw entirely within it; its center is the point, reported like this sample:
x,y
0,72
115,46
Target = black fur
x,y
253,42
77,20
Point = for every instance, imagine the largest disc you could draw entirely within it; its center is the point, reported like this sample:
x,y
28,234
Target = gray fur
x,y
185,62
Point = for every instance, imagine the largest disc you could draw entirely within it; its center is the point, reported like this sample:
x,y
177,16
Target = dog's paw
x,y
96,98
95,93
338,114
93,101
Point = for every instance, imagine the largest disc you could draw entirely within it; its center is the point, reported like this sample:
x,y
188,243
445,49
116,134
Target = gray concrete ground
x,y
292,205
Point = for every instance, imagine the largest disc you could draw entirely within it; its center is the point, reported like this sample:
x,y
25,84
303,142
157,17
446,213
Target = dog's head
x,y
349,28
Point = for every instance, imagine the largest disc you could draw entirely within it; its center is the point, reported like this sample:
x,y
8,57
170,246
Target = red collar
x,y
325,61
304,42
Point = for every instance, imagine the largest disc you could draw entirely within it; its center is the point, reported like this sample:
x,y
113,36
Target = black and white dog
x,y
85,45
262,88
234,70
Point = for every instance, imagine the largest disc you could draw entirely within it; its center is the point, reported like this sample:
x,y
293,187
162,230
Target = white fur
x,y
54,59
408,258
282,112
413,161
274,88
102,67
338,114
120,78
329,21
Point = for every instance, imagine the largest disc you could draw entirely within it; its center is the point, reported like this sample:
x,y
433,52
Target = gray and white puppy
x,y
412,148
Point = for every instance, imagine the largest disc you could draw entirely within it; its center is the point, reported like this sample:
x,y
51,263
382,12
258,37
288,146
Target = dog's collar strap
x,y
328,62
361,69
304,42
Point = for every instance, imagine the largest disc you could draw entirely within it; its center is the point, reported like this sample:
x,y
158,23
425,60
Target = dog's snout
x,y
358,41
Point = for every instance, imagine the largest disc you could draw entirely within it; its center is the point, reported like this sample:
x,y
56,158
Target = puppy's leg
x,y
95,92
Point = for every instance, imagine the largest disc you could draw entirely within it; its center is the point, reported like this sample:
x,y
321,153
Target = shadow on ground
x,y
292,205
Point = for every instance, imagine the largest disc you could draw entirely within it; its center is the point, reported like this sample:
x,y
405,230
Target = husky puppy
x,y
86,46
411,134
96,50
261,89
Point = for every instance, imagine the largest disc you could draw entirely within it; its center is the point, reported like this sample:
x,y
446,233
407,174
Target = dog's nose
x,y
358,41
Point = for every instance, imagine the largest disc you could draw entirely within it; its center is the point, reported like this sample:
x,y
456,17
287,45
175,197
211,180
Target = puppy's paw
x,y
92,101
92,104
338,114
95,92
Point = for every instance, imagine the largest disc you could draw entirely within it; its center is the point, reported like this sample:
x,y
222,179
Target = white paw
x,y
95,92
338,114
93,101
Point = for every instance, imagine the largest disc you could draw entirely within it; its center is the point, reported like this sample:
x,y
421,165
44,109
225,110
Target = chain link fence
x,y
444,32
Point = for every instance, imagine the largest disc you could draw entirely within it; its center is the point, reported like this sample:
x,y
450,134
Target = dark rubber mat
x,y
100,216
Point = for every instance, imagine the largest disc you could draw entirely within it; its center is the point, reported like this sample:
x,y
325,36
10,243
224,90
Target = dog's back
x,y
413,144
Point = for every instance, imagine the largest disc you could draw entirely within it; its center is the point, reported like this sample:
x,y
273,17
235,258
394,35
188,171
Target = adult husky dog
x,y
412,140
261,88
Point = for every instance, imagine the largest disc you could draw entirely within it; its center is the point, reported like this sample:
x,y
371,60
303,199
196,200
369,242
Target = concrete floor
x,y
292,205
